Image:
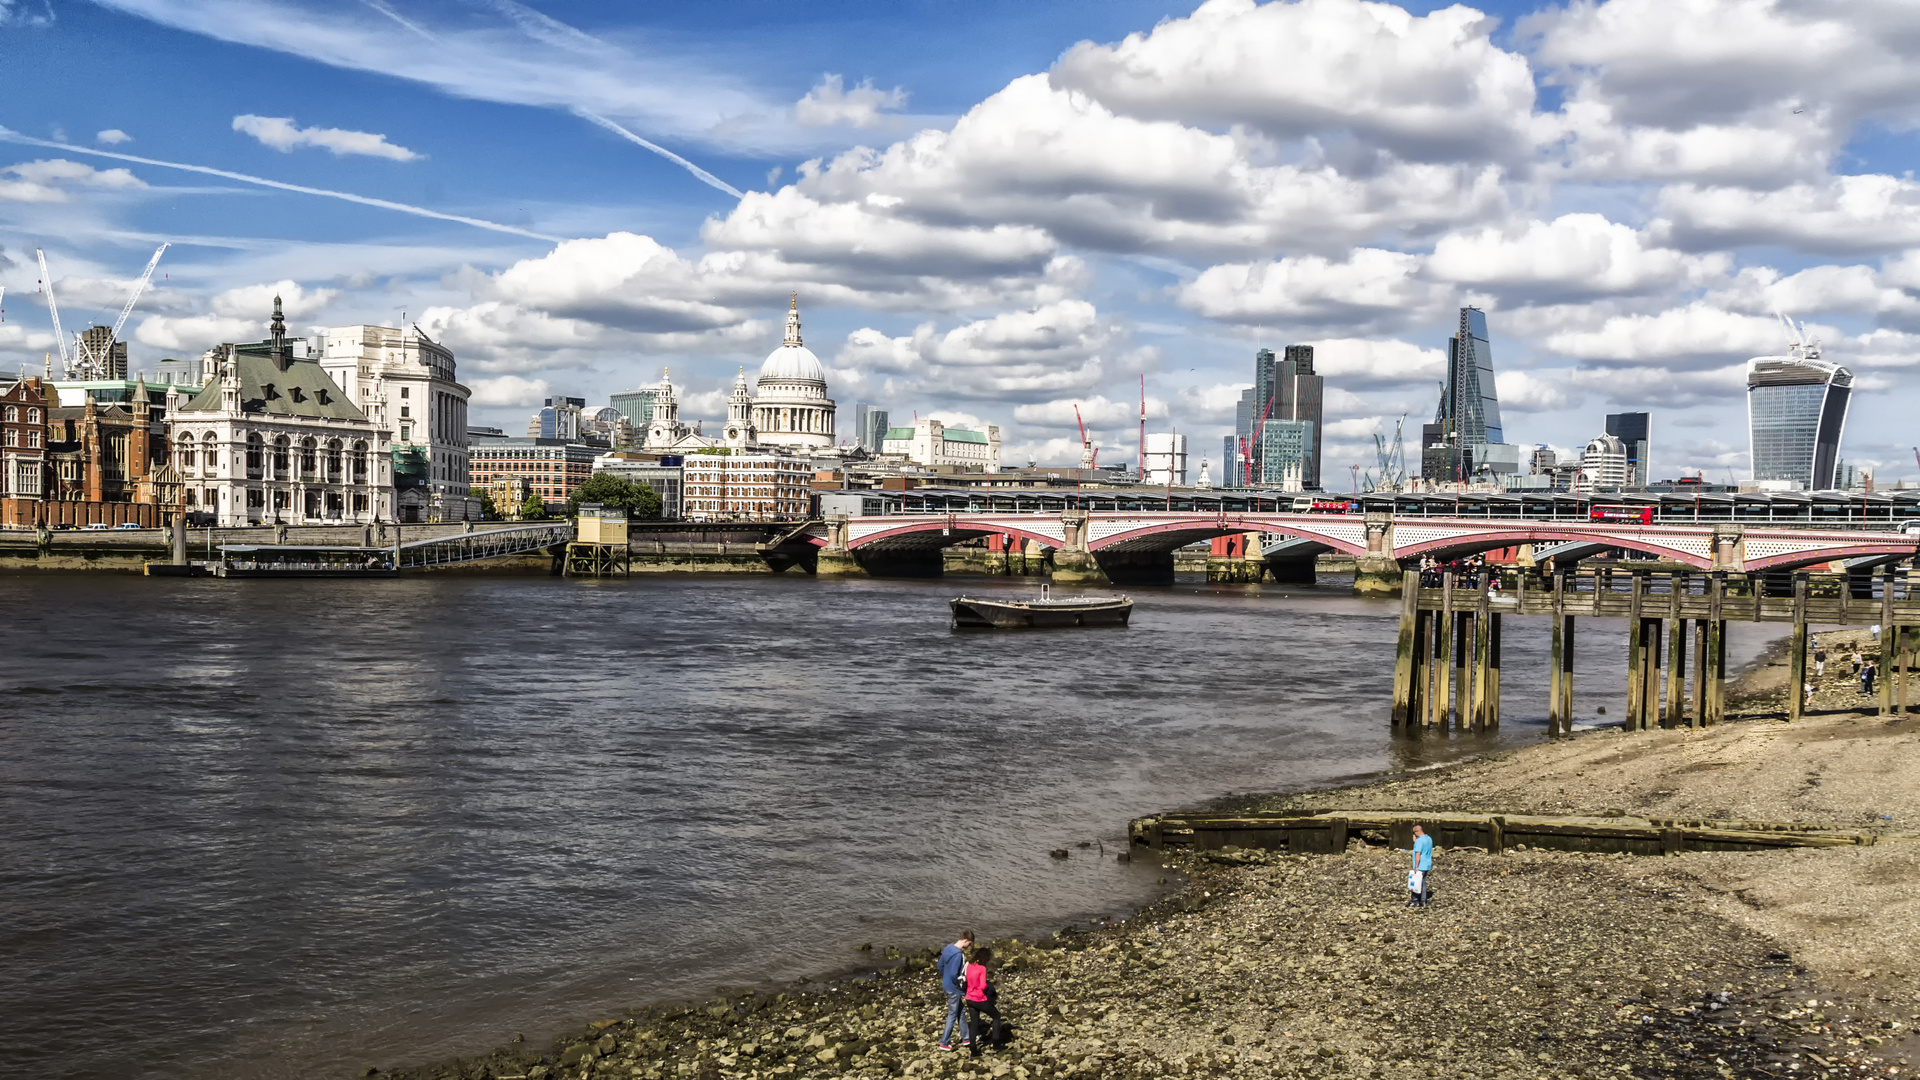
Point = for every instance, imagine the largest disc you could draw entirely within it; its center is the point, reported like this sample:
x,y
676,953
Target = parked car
x,y
129,525
66,528
98,525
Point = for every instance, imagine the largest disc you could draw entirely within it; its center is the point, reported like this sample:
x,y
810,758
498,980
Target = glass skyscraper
x,y
1466,436
1796,409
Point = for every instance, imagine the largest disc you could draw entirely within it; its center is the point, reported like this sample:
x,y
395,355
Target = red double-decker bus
x,y
1639,515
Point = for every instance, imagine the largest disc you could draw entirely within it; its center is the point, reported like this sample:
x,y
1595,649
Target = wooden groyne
x,y
1330,831
1447,666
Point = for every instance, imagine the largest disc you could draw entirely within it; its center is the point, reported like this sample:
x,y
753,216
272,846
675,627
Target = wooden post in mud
x,y
1463,668
1482,655
1636,658
1676,668
1560,688
1493,670
1797,652
1714,669
1905,659
1650,666
1404,662
1885,687
1699,716
1443,655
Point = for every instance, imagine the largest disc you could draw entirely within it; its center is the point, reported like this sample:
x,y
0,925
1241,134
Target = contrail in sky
x,y
705,176
9,135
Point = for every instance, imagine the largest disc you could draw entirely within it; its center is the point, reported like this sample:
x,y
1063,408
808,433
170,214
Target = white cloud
x,y
280,133
830,103
1860,213
1211,403
1369,282
1036,155
1426,88
1095,411
1573,255
1693,337
48,181
1365,362
112,137
1523,391
238,314
1030,355
509,391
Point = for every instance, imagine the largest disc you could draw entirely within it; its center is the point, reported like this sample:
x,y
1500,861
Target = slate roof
x,y
303,390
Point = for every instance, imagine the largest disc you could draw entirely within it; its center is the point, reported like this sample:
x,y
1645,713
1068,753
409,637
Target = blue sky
x,y
1013,208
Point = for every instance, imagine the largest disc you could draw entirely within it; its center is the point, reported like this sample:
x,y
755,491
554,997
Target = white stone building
x,y
790,403
1603,466
271,438
406,383
933,444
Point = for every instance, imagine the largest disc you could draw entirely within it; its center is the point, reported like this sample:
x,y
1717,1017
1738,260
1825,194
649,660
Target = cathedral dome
x,y
792,361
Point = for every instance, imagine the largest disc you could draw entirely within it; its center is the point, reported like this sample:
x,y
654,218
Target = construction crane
x,y
1089,457
83,363
1393,461
53,309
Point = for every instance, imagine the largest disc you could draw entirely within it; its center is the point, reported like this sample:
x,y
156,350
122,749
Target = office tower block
x,y
1466,437
1796,410
1285,388
1635,431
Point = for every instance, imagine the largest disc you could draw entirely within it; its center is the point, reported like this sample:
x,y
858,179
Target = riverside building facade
x,y
550,468
933,444
271,438
406,383
23,453
741,485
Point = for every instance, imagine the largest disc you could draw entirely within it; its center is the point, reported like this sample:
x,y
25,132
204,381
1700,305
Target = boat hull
x,y
975,614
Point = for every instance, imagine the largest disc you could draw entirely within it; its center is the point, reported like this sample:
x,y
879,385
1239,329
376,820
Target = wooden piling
x,y
1797,652
1714,669
1482,650
1403,657
1650,709
1636,658
1556,719
1699,716
1884,688
1493,670
1443,656
1676,671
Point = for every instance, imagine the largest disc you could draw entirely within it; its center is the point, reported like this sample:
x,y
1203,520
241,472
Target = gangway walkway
x,y
490,544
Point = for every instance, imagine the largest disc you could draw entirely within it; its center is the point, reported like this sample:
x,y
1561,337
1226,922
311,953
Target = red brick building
x,y
23,453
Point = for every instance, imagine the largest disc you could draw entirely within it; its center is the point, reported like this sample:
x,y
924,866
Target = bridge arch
x,y
923,535
1688,547
1345,535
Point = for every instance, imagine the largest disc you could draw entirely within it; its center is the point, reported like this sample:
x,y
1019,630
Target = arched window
x,y
280,467
333,461
33,416
306,459
13,414
184,451
360,462
254,446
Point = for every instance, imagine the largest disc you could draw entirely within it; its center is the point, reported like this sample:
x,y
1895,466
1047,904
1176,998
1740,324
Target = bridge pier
x,y
1379,575
1131,567
1288,571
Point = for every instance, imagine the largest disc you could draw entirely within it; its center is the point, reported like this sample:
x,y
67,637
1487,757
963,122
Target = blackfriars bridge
x,y
1138,547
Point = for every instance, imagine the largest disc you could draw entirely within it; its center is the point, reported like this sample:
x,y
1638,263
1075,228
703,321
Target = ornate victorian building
x,y
272,438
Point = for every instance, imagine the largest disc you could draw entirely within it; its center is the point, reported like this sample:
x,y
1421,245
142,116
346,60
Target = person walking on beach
x,y
952,965
980,1000
1819,659
1867,673
1420,885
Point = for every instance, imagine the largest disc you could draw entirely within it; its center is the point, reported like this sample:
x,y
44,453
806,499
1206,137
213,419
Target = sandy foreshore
x,y
1801,962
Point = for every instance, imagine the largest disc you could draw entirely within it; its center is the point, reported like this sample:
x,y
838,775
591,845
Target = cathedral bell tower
x,y
740,430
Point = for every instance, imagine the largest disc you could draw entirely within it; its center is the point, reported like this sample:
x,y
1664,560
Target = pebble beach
x,y
1798,963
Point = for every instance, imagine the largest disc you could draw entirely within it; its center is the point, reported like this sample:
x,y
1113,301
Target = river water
x,y
295,828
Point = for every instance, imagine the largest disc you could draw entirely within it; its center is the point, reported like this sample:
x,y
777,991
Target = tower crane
x,y
53,309
1088,455
146,276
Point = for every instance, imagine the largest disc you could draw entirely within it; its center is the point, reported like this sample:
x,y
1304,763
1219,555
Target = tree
x,y
488,511
609,489
533,509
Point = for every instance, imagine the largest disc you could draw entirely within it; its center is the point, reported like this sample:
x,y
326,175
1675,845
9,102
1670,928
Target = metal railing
x,y
491,544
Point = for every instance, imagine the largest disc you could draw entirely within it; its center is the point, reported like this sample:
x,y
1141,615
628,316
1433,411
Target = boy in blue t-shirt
x,y
1419,883
952,967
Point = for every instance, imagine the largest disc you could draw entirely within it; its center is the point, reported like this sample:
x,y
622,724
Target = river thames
x,y
297,828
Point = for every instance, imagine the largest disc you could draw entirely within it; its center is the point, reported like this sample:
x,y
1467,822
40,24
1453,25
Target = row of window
x,y
13,414
34,441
